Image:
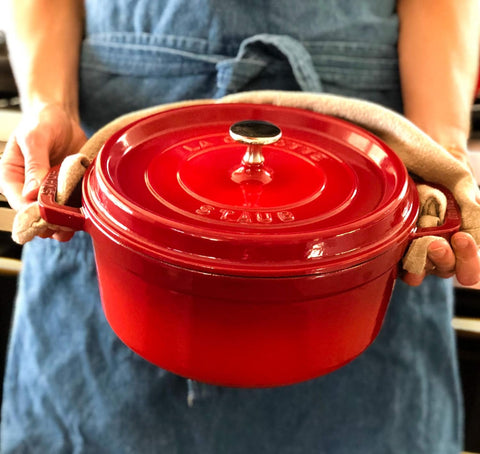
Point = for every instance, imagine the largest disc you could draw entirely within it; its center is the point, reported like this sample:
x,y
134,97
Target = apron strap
x,y
259,52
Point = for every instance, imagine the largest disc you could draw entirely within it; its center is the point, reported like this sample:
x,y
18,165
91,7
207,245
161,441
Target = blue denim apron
x,y
72,387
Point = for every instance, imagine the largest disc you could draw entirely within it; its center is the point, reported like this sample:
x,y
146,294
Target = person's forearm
x,y
438,54
44,38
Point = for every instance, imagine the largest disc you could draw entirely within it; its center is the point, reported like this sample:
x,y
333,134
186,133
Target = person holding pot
x,y
70,384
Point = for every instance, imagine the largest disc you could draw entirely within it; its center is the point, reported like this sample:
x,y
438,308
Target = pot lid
x,y
250,189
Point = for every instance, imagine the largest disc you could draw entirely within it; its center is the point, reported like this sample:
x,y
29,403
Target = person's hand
x,y
459,258
43,139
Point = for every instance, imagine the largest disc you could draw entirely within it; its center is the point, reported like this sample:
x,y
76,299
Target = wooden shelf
x,y
467,326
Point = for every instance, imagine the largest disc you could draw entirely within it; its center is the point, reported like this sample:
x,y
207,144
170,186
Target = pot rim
x,y
186,244
96,220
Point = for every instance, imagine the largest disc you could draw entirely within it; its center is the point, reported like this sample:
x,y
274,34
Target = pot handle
x,y
452,222
53,212
415,258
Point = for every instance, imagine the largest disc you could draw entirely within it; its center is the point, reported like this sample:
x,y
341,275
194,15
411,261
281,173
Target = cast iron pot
x,y
232,256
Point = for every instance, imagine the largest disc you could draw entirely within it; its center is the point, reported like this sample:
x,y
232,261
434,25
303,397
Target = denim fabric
x,y
72,387
132,71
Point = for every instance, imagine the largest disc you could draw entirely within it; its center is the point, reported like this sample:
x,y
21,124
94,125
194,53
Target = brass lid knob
x,y
255,134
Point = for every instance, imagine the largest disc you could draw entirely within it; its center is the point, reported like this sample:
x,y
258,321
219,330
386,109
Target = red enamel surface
x,y
337,196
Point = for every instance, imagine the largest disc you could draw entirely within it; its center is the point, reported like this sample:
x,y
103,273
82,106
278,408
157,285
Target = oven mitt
x,y
420,154
433,206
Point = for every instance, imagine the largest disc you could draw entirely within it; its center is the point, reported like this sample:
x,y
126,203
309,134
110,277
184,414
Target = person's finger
x,y
467,268
35,146
12,174
63,236
414,280
442,259
59,235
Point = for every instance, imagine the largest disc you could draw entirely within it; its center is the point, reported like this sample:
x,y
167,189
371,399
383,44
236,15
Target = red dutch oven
x,y
245,253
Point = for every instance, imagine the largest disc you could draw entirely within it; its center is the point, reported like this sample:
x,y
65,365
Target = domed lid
x,y
250,189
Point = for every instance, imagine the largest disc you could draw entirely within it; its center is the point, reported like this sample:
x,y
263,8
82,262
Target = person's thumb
x,y
36,151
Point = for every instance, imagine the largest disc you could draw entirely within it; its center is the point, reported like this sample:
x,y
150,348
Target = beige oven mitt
x,y
420,154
